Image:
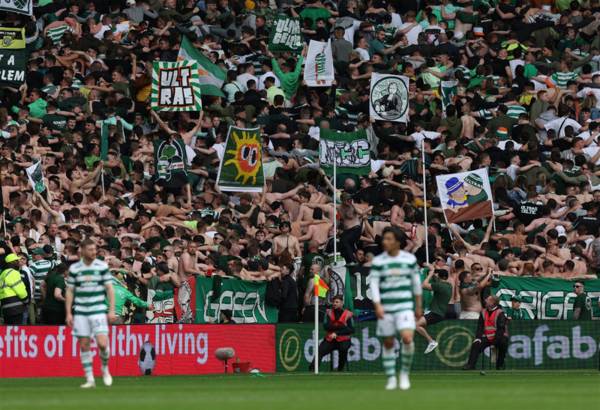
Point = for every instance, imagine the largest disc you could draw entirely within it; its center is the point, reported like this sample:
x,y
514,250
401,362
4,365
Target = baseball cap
x,y
11,257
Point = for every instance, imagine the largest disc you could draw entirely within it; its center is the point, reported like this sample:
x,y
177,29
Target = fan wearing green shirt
x,y
514,312
437,282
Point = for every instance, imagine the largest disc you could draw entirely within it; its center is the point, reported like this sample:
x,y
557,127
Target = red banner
x,y
51,351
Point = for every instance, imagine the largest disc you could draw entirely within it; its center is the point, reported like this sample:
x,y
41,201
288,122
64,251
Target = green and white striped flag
x,y
211,76
176,86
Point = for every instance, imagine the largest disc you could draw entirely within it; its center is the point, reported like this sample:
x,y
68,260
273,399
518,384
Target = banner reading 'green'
x,y
546,298
245,301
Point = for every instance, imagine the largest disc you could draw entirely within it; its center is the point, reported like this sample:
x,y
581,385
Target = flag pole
x,y
316,332
334,207
102,182
425,202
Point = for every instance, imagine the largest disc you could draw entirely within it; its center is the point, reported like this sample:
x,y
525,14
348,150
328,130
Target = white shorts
x,y
468,315
88,326
392,323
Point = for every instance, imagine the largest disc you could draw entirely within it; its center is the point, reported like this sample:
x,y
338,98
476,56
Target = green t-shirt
x,y
315,13
164,290
55,281
37,109
516,314
442,293
584,303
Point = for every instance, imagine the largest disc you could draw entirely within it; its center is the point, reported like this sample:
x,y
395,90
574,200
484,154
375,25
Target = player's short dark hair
x,y
442,273
397,233
338,297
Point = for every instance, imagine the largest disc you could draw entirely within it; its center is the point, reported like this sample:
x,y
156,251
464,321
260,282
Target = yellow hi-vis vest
x,y
12,290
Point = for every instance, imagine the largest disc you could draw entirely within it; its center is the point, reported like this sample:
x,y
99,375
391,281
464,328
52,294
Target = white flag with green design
x,y
318,66
35,174
212,77
17,6
176,86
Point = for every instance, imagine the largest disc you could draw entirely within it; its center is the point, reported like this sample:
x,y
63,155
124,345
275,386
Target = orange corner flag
x,y
321,287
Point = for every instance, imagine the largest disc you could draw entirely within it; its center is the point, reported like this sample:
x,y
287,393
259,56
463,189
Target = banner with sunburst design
x,y
241,169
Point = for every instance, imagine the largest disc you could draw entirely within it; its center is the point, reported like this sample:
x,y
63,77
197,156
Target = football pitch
x,y
558,390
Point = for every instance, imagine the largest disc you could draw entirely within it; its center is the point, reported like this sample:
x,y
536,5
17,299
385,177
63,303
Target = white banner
x,y
318,66
465,195
388,99
17,6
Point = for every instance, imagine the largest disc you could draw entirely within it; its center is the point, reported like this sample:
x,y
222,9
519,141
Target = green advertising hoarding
x,y
546,298
245,301
548,344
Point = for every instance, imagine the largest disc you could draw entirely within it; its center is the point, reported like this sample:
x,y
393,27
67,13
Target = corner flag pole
x,y
425,202
316,341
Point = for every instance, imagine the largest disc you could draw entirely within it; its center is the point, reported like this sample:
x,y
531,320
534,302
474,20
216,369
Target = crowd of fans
x,y
527,108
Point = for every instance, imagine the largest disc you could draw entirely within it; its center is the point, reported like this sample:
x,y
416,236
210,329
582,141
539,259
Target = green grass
x,y
443,391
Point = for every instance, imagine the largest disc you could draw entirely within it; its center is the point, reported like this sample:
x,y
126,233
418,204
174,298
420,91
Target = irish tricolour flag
x,y
212,77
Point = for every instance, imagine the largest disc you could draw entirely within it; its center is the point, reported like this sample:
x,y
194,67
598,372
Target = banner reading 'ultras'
x,y
13,56
349,150
546,298
318,67
533,345
51,351
465,195
241,169
388,100
176,86
245,300
286,35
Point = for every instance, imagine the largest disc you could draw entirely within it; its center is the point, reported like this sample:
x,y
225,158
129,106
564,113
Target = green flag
x,y
170,161
448,90
350,150
176,86
241,169
245,301
210,76
286,35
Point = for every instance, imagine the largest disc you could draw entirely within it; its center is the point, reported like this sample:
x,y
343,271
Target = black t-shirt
x,y
528,211
499,66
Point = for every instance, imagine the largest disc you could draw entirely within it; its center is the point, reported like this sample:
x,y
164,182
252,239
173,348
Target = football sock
x,y
389,361
87,361
406,357
104,356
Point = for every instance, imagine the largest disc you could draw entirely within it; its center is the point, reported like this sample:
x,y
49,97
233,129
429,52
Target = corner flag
x,y
321,287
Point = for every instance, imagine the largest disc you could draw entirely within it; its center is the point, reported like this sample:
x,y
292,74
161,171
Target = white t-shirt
x,y
560,124
514,64
243,79
261,80
220,149
418,137
587,90
413,35
363,54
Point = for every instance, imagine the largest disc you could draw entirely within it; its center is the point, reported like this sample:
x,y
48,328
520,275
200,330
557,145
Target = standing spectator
x,y
515,312
13,293
582,307
53,308
437,282
288,309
